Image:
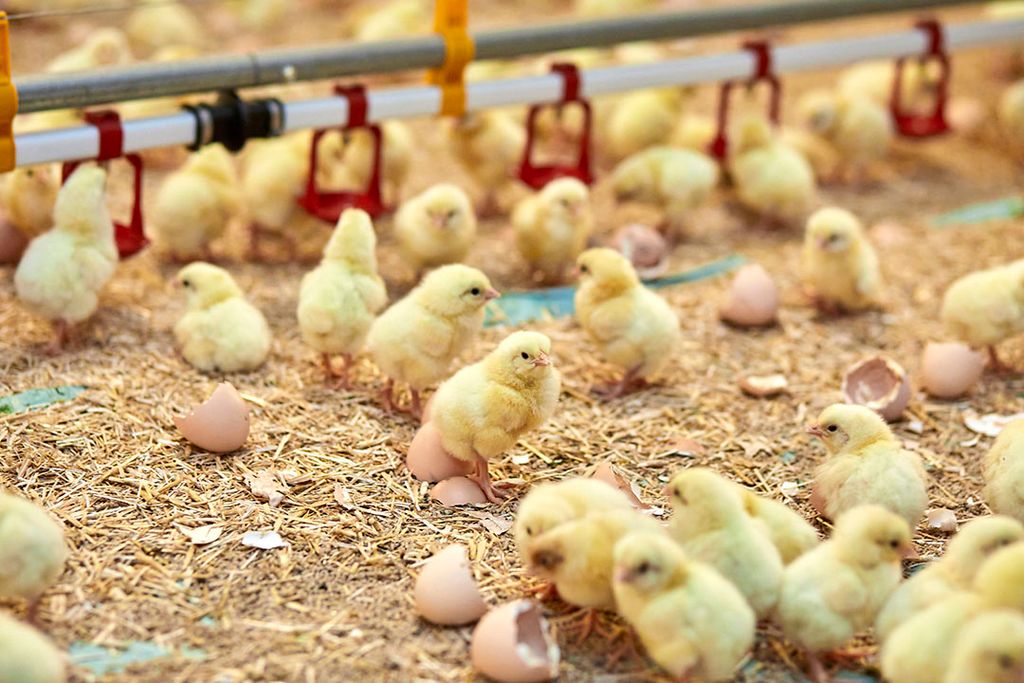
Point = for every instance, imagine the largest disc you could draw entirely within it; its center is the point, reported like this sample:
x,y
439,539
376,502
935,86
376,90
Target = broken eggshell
x,y
446,592
12,242
753,298
457,491
941,519
644,246
220,425
765,386
606,473
880,384
512,644
429,461
950,370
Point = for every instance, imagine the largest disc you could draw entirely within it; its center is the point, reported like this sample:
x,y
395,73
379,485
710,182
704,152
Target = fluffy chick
x,y
357,153
103,47
339,298
866,465
27,656
990,649
220,331
788,531
859,128
32,551
839,266
834,591
552,227
1003,470
161,24
1011,115
63,270
274,174
711,525
607,8
395,19
920,649
677,181
954,571
874,80
986,307
489,145
436,227
634,327
195,204
694,131
693,622
643,119
28,195
416,339
550,505
483,409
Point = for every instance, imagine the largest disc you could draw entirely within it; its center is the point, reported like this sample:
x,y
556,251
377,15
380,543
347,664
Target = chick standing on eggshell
x,y
840,267
986,307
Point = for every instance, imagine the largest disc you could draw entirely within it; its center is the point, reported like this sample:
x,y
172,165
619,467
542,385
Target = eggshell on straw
x,y
220,425
880,384
950,370
457,491
512,644
752,300
427,459
446,592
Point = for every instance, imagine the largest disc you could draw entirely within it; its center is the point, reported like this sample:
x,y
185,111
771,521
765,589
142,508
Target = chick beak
x,y
817,431
440,221
667,491
543,561
491,294
176,284
624,576
576,272
541,360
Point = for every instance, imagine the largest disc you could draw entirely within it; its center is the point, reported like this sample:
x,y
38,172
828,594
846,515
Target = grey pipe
x,y
145,81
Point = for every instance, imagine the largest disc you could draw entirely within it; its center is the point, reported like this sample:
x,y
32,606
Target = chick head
x,y
649,562
447,206
869,535
109,46
32,179
353,241
540,512
632,178
710,499
206,285
843,427
214,162
1000,580
833,230
978,540
547,553
521,358
818,110
607,269
565,198
455,290
991,648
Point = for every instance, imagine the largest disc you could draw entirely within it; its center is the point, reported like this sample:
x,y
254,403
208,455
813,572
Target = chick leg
x,y
998,366
346,368
816,670
32,612
416,409
61,334
545,593
482,477
630,382
387,396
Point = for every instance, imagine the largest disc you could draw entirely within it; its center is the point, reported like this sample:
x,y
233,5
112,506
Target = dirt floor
x,y
336,604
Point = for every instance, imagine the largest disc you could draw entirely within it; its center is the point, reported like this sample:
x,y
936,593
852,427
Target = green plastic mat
x,y
1009,207
37,398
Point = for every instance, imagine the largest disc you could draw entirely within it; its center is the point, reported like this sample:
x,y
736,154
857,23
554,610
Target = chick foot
x,y
338,380
629,384
997,364
62,334
482,477
627,651
589,624
545,593
816,670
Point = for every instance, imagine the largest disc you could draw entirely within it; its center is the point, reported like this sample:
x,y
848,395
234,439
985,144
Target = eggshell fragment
x,y
512,644
880,384
220,425
764,387
427,459
644,247
606,473
457,491
941,519
446,592
966,115
753,298
950,370
12,242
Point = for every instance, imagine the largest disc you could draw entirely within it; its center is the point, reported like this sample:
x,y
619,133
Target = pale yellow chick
x,y
711,524
990,649
874,80
839,267
356,157
693,622
395,19
986,307
103,47
220,331
489,145
694,131
416,339
866,465
194,205
634,328
274,174
835,591
823,157
157,24
436,227
262,15
608,8
552,227
339,298
1011,115
642,119
483,409
27,656
787,529
859,128
32,551
1003,469
954,571
28,195
63,270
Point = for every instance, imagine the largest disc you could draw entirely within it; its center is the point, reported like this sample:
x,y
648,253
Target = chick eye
x,y
186,283
894,544
1006,661
832,428
524,355
475,291
584,269
643,568
529,531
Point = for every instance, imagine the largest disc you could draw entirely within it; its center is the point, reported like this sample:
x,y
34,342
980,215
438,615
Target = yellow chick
x,y
634,327
103,47
694,131
356,158
711,525
552,227
63,270
274,175
642,119
27,656
986,307
788,531
772,179
1011,115
677,181
32,551
195,204
416,339
859,128
262,15
990,649
953,572
395,19
489,145
866,465
550,505
220,331
839,267
156,24
920,649
874,80
28,195
693,622
483,409
436,227
608,8
1003,469
834,591
823,157
339,298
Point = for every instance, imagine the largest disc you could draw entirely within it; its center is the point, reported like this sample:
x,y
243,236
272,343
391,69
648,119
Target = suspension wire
x,y
106,9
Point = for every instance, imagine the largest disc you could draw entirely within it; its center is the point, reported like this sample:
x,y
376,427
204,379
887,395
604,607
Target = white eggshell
x,y
220,425
950,370
427,459
966,115
12,243
752,300
512,644
765,386
446,592
880,384
457,491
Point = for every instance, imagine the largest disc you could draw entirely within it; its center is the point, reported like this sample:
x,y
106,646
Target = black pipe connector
x,y
232,121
